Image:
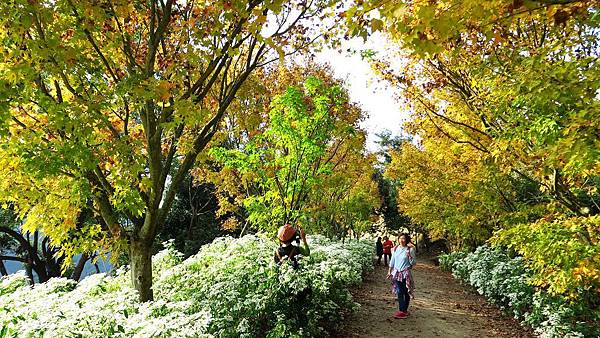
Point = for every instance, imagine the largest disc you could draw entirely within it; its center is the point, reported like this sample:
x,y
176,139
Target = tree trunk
x,y
243,229
3,271
141,268
76,275
416,242
29,272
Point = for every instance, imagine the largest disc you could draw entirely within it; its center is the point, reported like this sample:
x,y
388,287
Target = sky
x,y
378,100
103,265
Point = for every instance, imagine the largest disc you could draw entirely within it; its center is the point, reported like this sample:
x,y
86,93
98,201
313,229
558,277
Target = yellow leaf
x,y
163,90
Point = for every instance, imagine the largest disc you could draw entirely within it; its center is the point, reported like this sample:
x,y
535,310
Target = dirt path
x,y
442,308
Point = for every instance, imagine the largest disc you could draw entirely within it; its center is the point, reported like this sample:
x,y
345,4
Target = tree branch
x,y
90,38
13,258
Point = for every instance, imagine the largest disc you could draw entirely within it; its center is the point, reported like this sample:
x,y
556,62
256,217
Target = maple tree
x,y
307,145
114,100
503,100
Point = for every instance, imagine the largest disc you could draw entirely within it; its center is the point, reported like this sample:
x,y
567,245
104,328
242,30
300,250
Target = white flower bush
x,y
231,288
504,282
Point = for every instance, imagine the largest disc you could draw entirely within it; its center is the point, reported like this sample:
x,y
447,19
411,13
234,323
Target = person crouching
x,y
289,245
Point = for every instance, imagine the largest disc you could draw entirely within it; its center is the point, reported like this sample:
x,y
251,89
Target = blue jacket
x,y
403,258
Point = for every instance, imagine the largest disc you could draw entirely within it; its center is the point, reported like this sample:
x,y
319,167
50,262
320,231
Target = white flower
x,y
231,287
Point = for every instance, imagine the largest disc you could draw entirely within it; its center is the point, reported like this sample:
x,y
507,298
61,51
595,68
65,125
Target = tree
x,y
389,185
192,221
34,251
503,95
326,192
119,98
387,143
449,191
502,101
289,158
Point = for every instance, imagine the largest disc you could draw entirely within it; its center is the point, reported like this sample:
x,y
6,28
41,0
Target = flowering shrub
x,y
447,261
230,288
99,306
505,282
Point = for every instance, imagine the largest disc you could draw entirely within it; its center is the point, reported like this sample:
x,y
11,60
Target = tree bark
x,y
29,272
76,275
3,271
141,268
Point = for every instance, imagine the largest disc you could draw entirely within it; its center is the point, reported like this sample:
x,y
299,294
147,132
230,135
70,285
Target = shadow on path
x,y
442,308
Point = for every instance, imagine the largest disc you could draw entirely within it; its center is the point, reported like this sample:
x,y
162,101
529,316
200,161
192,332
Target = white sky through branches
x,y
376,98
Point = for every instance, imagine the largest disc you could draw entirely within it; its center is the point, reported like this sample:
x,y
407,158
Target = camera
x,y
296,237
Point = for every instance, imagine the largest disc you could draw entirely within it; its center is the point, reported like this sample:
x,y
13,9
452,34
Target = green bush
x,y
447,260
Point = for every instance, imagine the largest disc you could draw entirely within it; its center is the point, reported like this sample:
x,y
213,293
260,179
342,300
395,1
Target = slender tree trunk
x,y
76,275
3,271
141,268
243,229
416,242
426,240
191,225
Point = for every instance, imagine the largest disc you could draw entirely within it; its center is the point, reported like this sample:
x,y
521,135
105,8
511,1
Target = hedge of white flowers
x,y
504,282
231,288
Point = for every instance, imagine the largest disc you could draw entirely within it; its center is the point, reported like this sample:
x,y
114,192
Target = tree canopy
x,y
111,111
305,163
114,100
503,98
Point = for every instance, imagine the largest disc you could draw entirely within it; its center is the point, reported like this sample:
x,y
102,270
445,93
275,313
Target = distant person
x,y
400,272
289,245
379,250
387,249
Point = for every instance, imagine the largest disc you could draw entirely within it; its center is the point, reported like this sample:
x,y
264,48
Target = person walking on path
x,y
387,249
379,250
401,263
